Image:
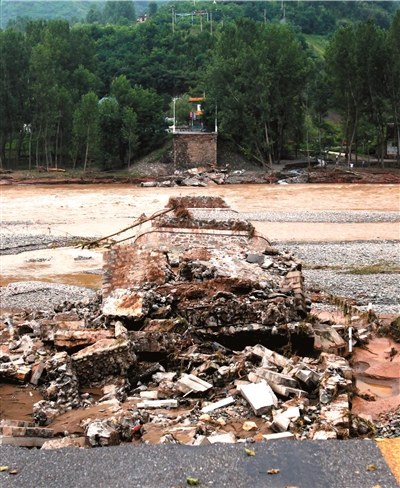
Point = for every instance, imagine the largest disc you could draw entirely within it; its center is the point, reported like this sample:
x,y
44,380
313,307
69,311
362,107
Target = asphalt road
x,y
302,464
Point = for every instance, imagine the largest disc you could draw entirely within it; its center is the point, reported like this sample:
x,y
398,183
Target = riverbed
x,y
329,226
95,210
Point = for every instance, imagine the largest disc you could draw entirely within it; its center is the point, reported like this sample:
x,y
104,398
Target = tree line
x,y
99,93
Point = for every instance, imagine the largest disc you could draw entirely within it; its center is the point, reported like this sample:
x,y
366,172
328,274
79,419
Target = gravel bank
x,y
359,216
14,244
338,259
37,295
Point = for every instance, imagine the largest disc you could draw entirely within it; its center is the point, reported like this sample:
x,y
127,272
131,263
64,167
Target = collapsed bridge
x,y
203,270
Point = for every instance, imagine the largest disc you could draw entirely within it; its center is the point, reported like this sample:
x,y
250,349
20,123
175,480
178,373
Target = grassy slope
x,y
317,43
42,9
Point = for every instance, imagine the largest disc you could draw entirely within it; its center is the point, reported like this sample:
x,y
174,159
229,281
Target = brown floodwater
x,y
100,210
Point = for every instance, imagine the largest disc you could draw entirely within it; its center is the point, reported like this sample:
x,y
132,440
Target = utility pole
x,y
173,20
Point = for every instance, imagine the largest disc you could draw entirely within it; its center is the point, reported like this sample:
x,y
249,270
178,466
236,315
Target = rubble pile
x,y
190,345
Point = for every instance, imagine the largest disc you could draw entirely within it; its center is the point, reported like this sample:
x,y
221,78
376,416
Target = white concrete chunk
x,y
324,435
281,423
260,397
226,438
222,403
190,382
149,394
158,404
201,440
278,435
292,413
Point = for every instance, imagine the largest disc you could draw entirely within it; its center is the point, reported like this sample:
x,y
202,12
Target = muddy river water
x,y
89,210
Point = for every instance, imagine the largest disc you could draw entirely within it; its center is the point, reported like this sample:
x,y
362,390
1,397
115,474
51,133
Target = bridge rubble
x,y
202,333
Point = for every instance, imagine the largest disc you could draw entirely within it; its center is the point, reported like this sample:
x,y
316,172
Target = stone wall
x,y
194,149
180,239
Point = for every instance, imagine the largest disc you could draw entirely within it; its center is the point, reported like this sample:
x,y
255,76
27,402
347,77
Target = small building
x,y
196,113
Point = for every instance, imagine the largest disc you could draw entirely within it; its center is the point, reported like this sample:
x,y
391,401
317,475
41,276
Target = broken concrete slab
x,y
278,436
201,440
260,397
22,433
64,442
287,391
223,438
69,339
280,423
14,372
336,413
149,394
153,404
220,404
37,371
307,376
190,382
101,433
105,358
327,339
324,435
269,356
273,377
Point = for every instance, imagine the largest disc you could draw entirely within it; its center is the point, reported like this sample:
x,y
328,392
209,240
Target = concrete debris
x,y
99,434
189,383
280,423
260,397
152,404
278,436
64,442
22,433
227,438
106,358
220,404
202,329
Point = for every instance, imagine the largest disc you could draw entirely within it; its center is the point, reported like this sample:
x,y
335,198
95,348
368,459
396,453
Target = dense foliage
x,y
98,92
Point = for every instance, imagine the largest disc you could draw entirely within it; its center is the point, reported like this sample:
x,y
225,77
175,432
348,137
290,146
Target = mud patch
x,y
16,402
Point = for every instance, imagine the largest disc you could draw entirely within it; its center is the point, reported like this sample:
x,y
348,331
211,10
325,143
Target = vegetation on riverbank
x,y
283,79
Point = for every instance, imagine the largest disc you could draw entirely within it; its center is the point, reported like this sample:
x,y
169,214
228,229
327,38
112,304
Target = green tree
x,y
14,61
86,128
343,73
148,107
130,132
110,123
393,69
357,63
257,77
119,12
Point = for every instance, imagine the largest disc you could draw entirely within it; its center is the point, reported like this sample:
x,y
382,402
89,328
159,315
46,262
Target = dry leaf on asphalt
x,y
4,468
371,467
249,452
273,471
